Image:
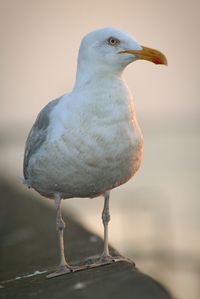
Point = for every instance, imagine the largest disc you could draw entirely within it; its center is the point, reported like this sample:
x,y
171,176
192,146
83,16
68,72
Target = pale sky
x,y
40,41
39,46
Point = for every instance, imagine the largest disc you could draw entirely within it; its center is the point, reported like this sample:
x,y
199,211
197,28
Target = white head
x,y
109,51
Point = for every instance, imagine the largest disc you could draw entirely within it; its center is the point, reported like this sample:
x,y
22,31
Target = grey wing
x,y
38,134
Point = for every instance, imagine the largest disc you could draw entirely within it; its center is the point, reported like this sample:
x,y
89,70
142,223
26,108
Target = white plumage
x,y
88,141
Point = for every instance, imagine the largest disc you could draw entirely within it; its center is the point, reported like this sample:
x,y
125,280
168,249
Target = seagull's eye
x,y
112,41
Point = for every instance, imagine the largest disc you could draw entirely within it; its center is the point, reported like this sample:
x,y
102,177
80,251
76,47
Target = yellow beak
x,y
149,54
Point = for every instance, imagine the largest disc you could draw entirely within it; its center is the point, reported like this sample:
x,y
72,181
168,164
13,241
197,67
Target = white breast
x,y
94,143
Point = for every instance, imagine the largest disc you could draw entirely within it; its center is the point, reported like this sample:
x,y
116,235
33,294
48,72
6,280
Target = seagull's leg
x,y
105,219
106,258
60,226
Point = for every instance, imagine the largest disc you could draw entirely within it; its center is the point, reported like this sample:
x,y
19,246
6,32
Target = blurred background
x,y
155,217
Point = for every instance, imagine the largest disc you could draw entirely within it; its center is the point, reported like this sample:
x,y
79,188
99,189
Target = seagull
x,y
88,141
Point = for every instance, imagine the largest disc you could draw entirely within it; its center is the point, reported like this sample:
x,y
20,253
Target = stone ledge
x,y
28,253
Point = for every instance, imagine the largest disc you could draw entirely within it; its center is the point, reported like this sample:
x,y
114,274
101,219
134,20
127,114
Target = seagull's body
x,y
88,141
90,146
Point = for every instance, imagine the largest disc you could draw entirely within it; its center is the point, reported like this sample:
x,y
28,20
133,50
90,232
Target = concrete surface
x,y
28,251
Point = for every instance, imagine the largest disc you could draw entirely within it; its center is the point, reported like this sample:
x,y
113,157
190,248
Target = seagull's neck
x,y
88,75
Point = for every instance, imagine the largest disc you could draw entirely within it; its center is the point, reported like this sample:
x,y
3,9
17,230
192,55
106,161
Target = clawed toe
x,y
91,262
120,258
61,271
95,261
106,259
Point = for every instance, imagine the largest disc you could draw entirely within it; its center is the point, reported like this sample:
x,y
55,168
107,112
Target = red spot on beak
x,y
157,60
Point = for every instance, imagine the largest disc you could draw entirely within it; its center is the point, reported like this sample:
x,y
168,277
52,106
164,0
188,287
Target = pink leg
x,y
106,219
60,226
105,258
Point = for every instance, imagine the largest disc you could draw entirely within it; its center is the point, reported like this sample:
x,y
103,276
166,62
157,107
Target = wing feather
x,y
38,133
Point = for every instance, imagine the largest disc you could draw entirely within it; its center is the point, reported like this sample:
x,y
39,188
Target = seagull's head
x,y
111,50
